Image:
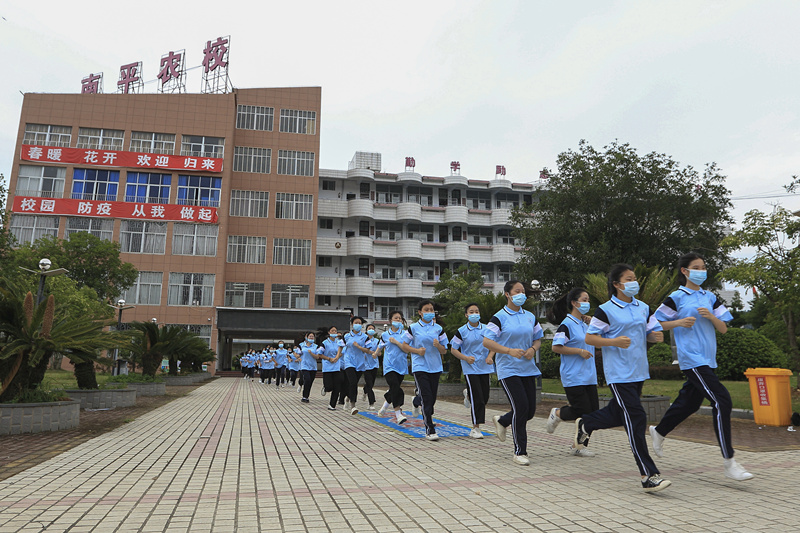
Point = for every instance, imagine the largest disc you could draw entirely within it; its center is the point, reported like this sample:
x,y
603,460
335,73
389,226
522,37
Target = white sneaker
x,y
382,410
299,388
658,441
417,411
363,396
476,433
432,436
736,471
522,460
582,452
500,429
467,404
353,411
324,392
402,419
371,407
553,420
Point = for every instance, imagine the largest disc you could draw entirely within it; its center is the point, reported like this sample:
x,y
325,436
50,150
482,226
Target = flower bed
x,y
18,418
103,398
149,389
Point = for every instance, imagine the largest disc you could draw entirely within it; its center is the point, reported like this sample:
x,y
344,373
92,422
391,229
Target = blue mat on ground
x,y
415,427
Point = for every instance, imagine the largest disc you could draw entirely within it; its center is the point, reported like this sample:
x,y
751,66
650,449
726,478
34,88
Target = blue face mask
x,y
398,325
631,289
427,317
370,332
309,341
519,299
280,345
698,276
333,335
474,319
584,307
356,327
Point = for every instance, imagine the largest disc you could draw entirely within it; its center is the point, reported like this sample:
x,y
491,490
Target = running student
x,y
515,335
330,351
577,370
308,364
292,365
395,364
370,367
428,343
622,327
695,315
354,359
476,364
298,356
281,360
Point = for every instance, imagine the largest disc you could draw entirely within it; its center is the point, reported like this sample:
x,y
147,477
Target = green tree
x,y
614,205
6,239
153,343
774,269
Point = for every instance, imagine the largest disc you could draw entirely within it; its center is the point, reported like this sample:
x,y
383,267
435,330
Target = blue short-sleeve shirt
x,y
575,370
281,357
330,348
394,359
371,362
469,341
307,360
421,335
353,357
514,329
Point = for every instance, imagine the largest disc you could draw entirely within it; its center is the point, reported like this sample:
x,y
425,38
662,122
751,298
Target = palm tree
x,y
155,343
655,283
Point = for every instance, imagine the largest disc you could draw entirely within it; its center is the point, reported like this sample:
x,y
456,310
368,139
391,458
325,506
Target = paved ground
x,y
238,456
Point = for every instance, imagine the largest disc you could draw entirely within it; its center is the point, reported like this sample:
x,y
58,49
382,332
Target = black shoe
x,y
581,437
654,483
304,400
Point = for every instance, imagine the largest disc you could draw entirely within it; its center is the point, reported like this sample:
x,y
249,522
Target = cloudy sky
x,y
485,83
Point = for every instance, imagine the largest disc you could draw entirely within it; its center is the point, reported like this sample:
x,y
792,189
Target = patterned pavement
x,y
234,455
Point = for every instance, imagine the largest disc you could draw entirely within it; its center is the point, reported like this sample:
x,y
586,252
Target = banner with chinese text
x,y
95,208
116,158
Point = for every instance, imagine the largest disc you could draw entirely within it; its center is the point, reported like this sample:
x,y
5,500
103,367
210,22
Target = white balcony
x,y
409,211
359,246
384,249
332,208
457,251
411,248
360,208
499,184
480,219
409,288
456,214
363,173
433,251
330,286
456,180
384,288
427,290
432,215
331,246
500,217
385,212
409,176
359,286
503,253
480,254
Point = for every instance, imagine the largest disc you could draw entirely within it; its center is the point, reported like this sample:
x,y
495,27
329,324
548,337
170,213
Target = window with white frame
x,y
146,290
291,252
247,249
152,143
479,200
388,268
47,135
46,182
244,294
194,239
420,232
102,228
294,163
142,237
328,185
420,195
249,204
505,236
255,160
100,139
201,330
506,200
296,121
289,296
147,187
384,306
504,273
95,184
254,117
388,231
27,229
201,146
294,206
188,288
389,194
201,191
481,236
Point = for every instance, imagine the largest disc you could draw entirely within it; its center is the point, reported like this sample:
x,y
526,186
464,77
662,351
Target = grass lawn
x,y
64,379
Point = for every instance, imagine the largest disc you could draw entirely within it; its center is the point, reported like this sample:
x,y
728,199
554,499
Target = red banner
x,y
112,158
95,208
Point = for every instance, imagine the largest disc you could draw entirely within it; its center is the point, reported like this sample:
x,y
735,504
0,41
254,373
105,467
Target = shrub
x,y
661,371
740,349
549,361
39,395
659,354
135,378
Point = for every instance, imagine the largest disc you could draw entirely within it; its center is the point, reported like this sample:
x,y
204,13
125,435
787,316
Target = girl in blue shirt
x,y
281,360
395,364
622,327
467,345
578,373
330,351
370,366
308,363
292,365
515,335
354,359
695,316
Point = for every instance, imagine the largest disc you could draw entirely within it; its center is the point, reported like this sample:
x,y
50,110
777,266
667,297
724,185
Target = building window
x,y
384,306
294,163
506,201
291,252
323,300
389,194
200,146
289,296
388,269
201,191
27,229
324,261
481,236
187,288
328,185
100,139
146,290
255,160
152,143
295,121
244,294
420,195
95,184
504,273
505,236
325,223
420,232
194,239
143,237
46,135
102,228
487,272
249,204
479,200
247,249
145,187
422,270
201,330
388,231
46,182
294,206
254,117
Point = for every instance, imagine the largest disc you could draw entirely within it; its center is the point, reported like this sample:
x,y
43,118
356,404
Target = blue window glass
x,y
147,187
199,190
95,184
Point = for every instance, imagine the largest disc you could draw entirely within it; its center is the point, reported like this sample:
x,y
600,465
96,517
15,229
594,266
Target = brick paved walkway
x,y
238,456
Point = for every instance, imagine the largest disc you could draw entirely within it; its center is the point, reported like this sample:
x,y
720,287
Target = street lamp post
x,y
536,290
44,272
120,364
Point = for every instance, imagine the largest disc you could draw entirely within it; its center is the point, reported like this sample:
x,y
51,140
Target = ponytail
x,y
563,306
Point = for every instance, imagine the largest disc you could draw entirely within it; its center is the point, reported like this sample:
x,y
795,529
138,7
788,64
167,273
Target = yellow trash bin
x,y
771,395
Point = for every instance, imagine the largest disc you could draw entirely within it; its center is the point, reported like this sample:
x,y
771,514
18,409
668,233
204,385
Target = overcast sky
x,y
485,83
